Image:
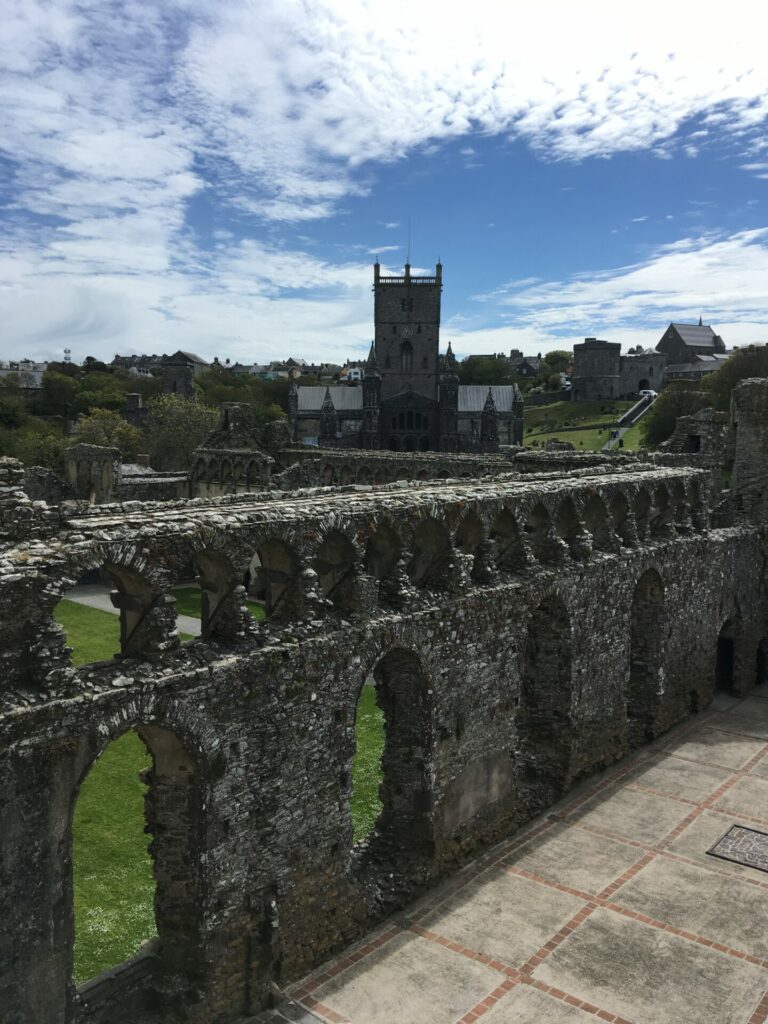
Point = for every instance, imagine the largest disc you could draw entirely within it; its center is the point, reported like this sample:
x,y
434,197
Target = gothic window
x,y
401,420
394,329
417,420
410,305
406,357
387,363
650,371
394,422
409,420
402,305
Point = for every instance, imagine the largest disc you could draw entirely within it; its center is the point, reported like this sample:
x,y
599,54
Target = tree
x,y
745,362
555,383
175,428
558,361
57,395
679,398
108,428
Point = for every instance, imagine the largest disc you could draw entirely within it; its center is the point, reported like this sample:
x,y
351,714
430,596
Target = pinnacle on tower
x,y
490,405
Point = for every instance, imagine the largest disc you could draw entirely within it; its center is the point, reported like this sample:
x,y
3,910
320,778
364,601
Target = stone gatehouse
x,y
523,632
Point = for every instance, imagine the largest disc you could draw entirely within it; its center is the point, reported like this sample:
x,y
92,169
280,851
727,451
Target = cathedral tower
x,y
407,338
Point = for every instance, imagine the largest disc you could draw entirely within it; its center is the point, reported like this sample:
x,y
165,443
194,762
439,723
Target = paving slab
x,y
644,817
700,835
700,901
504,916
735,722
409,979
651,977
761,768
683,779
526,1005
575,858
749,795
717,747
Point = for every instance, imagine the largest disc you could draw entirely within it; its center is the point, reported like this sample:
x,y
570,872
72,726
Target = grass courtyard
x,y
112,869
561,420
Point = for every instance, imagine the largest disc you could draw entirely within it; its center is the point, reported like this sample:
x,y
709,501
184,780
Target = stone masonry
x,y
523,631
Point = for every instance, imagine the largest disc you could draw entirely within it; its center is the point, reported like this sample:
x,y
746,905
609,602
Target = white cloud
x,y
717,277
639,220
116,118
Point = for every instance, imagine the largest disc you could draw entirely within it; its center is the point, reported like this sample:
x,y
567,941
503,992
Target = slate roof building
x,y
409,398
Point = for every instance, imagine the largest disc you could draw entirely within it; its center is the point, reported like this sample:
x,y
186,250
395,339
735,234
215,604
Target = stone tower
x,y
407,332
449,404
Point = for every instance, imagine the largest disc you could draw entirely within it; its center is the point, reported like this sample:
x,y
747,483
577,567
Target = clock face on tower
x,y
406,332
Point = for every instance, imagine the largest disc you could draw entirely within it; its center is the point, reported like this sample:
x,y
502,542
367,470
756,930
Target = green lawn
x,y
547,419
366,765
633,436
188,603
112,870
583,440
113,884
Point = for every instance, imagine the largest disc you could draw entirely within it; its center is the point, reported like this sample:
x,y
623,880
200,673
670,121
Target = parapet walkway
x,y
608,909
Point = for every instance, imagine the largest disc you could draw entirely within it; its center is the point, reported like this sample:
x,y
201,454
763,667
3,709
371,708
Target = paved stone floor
x,y
608,908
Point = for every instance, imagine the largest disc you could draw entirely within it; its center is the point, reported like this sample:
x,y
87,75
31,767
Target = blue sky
x,y
220,177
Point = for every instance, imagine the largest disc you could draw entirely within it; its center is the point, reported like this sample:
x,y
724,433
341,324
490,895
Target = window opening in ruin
x,y
725,657
432,554
469,534
508,549
335,567
113,887
596,521
543,720
402,826
113,611
382,552
273,575
136,853
367,775
645,657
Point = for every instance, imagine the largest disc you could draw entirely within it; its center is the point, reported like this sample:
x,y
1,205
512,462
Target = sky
x,y
220,177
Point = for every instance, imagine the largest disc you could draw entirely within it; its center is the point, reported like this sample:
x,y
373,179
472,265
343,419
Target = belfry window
x,y
406,357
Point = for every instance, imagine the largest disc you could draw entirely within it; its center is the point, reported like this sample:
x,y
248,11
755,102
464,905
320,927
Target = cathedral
x,y
409,398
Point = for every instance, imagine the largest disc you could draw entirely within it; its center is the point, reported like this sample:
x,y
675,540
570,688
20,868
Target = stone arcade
x,y
523,631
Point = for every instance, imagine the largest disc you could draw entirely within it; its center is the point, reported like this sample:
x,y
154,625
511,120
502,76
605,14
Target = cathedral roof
x,y
344,397
472,397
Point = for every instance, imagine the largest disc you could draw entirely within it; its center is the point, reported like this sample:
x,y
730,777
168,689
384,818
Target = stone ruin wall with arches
x,y
522,633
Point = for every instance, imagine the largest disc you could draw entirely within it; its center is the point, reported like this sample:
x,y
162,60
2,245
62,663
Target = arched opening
x,y
114,612
662,514
394,444
596,522
326,476
469,534
335,567
401,420
432,562
620,519
403,827
544,710
126,891
646,655
423,474
568,527
424,444
345,476
220,594
541,536
364,473
274,572
642,508
643,385
509,550
410,444
725,658
382,552
367,776
409,420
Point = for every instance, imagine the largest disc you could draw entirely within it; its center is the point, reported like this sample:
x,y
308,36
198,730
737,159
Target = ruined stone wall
x,y
501,618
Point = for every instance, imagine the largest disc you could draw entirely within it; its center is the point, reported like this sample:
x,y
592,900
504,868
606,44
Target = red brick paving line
x,y
665,853
760,1014
602,899
692,803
